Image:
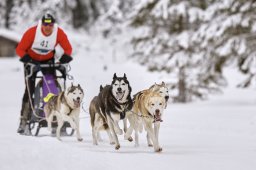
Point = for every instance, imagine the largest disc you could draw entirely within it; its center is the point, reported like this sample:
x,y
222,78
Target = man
x,y
37,46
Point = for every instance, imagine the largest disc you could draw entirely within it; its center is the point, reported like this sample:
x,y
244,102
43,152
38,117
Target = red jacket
x,y
24,47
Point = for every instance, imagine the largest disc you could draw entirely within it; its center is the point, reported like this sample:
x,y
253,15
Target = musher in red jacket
x,y
37,46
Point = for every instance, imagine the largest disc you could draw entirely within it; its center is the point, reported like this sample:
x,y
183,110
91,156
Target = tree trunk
x,y
182,86
9,5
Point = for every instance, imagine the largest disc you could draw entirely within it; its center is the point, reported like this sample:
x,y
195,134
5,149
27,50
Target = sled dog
x,y
109,107
161,89
147,111
98,122
66,107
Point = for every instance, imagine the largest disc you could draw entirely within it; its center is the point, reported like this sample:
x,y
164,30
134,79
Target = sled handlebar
x,y
49,65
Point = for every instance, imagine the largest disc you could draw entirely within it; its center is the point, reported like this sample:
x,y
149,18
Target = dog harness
x,y
65,101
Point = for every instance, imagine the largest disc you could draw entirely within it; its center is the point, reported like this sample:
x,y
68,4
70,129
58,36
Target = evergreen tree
x,y
165,43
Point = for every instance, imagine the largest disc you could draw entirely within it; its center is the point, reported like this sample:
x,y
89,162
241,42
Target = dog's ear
x,y
153,87
163,83
125,76
101,88
79,85
115,76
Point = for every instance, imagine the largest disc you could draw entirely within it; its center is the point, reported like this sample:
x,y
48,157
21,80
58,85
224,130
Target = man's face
x,y
47,28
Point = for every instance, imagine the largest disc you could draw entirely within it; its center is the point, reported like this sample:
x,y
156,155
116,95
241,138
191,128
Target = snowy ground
x,y
218,134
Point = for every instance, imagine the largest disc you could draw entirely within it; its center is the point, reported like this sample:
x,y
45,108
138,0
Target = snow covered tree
x,y
165,41
194,40
228,34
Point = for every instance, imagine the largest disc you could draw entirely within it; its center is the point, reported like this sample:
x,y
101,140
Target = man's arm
x,y
63,41
26,42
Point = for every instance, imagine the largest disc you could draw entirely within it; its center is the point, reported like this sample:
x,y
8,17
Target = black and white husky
x,y
109,107
66,107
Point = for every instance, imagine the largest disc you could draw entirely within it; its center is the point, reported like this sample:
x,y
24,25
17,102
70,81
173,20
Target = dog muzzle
x,y
77,103
157,116
120,95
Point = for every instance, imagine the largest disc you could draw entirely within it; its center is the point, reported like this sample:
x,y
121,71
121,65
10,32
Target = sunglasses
x,y
48,24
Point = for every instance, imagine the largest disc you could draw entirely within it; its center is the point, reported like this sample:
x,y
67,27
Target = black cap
x,y
48,19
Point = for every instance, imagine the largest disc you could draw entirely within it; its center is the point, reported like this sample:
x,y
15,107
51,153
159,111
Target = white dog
x,y
147,111
66,107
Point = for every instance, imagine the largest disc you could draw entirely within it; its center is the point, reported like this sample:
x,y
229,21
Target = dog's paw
x,y
159,149
117,147
130,139
95,143
150,145
80,139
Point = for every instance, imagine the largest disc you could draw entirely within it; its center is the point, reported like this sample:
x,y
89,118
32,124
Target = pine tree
x,y
165,43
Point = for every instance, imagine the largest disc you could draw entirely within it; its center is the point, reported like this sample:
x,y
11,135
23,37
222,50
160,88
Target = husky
x,y
161,89
109,107
98,122
66,107
147,110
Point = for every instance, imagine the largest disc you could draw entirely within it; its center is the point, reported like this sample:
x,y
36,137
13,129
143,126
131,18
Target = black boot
x,y
22,126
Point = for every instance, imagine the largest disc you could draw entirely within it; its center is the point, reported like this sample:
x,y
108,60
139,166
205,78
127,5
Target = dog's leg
x,y
118,130
111,126
156,131
136,134
99,137
94,135
125,125
70,121
149,139
78,135
111,140
60,124
128,133
150,131
49,120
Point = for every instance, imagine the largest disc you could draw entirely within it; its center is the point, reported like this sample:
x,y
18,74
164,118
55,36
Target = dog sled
x,y
46,84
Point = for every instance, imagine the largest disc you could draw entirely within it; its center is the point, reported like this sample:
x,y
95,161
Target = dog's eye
x,y
160,92
74,93
152,104
160,104
115,84
123,84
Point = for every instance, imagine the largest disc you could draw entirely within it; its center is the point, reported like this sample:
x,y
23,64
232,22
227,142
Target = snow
x,y
217,134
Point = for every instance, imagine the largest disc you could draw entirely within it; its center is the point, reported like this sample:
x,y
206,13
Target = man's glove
x,y
26,58
65,59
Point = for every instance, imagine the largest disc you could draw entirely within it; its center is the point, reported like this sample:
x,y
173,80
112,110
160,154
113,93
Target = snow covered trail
x,y
219,134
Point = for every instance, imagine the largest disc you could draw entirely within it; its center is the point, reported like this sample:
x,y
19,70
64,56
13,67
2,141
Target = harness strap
x,y
65,101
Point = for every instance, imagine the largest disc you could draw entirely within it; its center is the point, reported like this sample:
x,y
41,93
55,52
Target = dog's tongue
x,y
119,95
76,103
158,118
